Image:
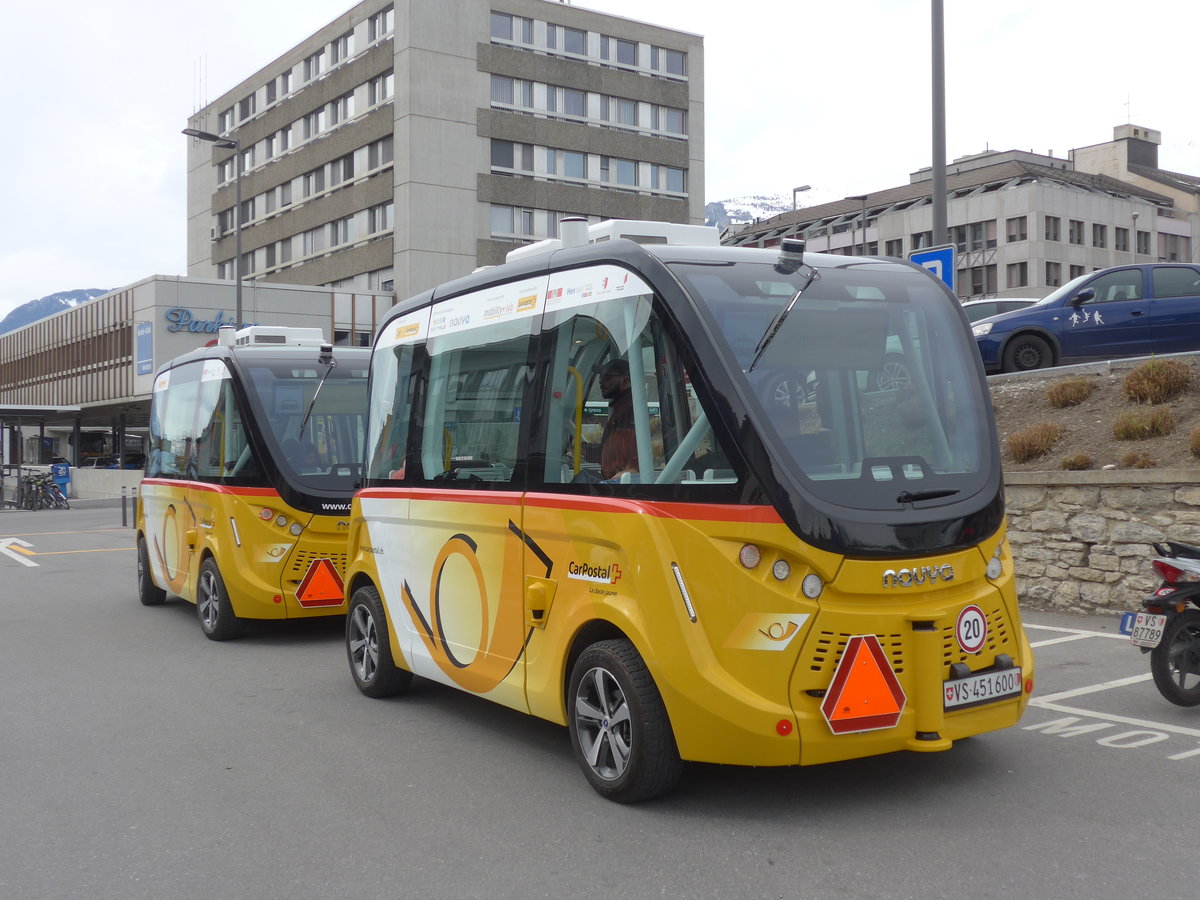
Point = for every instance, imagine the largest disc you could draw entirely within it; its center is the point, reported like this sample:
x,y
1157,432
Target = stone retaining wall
x,y
1081,540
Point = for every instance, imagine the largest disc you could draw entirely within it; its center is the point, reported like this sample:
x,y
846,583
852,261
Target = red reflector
x,y
784,727
1029,685
277,598
1167,571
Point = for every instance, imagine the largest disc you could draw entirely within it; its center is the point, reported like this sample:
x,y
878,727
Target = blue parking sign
x,y
938,260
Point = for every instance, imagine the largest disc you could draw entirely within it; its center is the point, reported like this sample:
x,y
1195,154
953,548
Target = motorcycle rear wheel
x,y
1175,662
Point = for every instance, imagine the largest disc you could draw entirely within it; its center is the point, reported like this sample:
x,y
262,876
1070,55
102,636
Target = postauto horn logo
x,y
609,574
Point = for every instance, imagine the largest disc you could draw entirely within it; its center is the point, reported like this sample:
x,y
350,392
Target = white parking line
x,y
1095,688
1041,703
1075,631
1059,640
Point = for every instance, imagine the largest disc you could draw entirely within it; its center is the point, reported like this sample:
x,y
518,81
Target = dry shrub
x,y
1157,381
1033,442
1194,441
1077,463
1140,424
1070,392
1136,460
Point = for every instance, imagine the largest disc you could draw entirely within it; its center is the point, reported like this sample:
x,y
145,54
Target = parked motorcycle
x,y
1169,628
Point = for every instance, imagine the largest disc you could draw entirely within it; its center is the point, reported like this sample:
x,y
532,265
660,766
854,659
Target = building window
x,y
314,182
381,24
341,109
1121,239
381,218
285,251
1075,231
667,178
894,248
1053,226
1100,236
314,240
1076,271
920,240
502,154
341,231
285,83
1017,274
1015,229
622,172
502,89
341,169
341,49
270,91
575,41
314,65
622,51
976,281
225,121
1053,274
1172,247
1143,242
314,124
285,138
673,62
379,153
381,88
512,28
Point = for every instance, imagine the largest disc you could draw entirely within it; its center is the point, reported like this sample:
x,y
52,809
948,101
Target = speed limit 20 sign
x,y
971,629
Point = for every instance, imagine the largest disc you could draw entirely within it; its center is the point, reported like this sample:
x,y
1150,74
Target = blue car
x,y
1107,314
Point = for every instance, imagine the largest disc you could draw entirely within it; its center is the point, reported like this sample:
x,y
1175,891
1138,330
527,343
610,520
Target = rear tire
x,y
1027,352
619,727
1175,662
368,648
217,619
148,592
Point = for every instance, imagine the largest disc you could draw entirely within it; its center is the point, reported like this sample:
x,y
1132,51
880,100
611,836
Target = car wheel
x,y
619,727
893,375
1026,352
213,608
368,648
148,592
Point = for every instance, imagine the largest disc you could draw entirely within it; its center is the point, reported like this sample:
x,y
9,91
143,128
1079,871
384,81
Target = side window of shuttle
x,y
621,407
172,450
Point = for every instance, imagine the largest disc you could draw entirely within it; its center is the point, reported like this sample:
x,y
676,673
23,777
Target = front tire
x,y
1175,662
368,648
148,592
619,727
217,619
1027,352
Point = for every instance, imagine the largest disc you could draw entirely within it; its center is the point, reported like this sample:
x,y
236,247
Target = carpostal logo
x,y
610,574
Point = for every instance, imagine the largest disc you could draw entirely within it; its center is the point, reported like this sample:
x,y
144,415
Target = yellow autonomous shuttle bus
x,y
803,560
256,448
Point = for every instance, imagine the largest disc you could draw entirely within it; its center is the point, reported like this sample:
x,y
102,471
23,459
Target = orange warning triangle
x,y
864,694
322,585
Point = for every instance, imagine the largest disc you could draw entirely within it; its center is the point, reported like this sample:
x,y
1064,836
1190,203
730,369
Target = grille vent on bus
x,y
999,639
302,559
829,648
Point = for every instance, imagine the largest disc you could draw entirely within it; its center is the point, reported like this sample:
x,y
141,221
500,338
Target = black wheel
x,y
213,608
893,375
1175,662
367,647
1026,352
60,499
148,592
619,727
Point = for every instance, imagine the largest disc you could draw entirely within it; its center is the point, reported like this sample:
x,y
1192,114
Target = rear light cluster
x,y
1173,574
294,529
750,556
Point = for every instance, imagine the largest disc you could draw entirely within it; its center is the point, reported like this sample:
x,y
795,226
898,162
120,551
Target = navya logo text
x,y
180,319
601,574
910,577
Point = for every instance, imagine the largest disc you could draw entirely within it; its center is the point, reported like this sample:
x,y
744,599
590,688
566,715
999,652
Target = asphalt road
x,y
141,760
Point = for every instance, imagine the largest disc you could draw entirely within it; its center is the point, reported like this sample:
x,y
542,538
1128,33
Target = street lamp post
x,y
230,144
799,190
861,198
1133,241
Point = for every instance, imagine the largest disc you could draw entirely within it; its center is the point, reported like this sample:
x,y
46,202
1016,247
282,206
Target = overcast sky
x,y
833,95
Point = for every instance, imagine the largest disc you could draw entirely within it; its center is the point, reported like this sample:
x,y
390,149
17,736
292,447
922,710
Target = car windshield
x,y
1065,291
869,390
326,452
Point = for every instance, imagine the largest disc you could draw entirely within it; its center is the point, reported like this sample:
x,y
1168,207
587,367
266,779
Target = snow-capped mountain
x,y
740,210
35,310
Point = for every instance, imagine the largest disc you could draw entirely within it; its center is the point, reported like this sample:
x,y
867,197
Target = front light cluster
x,y
983,329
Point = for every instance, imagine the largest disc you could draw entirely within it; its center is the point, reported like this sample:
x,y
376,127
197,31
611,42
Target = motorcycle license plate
x,y
986,687
1147,629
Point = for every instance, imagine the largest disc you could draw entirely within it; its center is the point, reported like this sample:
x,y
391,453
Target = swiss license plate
x,y
1147,629
986,687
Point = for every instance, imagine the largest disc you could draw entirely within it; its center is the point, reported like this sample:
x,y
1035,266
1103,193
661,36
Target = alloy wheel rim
x,y
603,724
364,644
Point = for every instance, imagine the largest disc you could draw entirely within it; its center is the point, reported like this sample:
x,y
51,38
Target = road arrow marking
x,y
7,548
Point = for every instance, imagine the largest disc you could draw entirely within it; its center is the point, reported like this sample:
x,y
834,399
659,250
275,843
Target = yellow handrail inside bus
x,y
574,373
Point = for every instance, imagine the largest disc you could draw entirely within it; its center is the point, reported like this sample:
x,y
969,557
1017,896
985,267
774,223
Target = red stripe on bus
x,y
212,488
717,512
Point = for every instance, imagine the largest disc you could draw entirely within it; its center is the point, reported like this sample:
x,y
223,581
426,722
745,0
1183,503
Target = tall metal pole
x,y
237,230
939,126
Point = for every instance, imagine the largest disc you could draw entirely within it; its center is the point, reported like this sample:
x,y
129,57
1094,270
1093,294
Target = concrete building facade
x,y
1022,223
406,143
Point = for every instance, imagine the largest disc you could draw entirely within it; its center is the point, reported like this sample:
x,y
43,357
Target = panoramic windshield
x,y
868,391
327,453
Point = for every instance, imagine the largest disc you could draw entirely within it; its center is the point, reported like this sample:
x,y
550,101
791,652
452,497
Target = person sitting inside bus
x,y
617,449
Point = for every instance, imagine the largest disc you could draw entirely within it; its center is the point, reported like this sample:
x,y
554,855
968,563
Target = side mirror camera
x,y
791,255
1083,296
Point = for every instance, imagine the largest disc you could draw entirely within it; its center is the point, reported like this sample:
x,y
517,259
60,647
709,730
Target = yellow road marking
x,y
42,533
